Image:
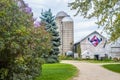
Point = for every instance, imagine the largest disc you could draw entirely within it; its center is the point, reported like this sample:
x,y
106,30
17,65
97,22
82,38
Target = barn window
x,y
88,39
100,39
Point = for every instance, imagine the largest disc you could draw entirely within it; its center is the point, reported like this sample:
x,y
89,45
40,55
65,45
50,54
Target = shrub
x,y
116,59
66,57
21,45
62,57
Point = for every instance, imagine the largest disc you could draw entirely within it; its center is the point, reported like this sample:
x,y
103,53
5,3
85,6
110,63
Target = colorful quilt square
x,y
95,41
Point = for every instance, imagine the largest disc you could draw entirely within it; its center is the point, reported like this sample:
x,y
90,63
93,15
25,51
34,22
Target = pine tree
x,y
50,26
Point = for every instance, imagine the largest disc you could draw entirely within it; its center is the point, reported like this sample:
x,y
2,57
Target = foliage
x,y
68,58
50,26
52,59
107,13
63,57
113,67
57,72
21,45
79,50
116,59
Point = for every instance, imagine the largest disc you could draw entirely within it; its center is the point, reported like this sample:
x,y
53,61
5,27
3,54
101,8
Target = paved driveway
x,y
91,71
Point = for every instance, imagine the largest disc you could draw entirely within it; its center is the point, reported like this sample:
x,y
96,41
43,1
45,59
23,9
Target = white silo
x,y
67,34
65,27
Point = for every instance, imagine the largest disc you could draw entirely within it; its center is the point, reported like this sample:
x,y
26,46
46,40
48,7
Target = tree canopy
x,y
21,44
107,13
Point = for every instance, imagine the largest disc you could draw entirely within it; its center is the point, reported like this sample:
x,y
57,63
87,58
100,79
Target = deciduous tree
x,y
21,44
107,13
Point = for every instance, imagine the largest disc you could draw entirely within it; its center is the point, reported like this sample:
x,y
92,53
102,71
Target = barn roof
x,y
88,36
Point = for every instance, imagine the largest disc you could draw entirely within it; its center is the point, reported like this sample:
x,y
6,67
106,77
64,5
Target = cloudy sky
x,y
82,27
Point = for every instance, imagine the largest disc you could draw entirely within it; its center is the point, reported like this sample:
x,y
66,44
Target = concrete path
x,y
91,71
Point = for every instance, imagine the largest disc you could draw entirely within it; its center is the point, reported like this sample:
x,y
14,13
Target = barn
x,y
92,46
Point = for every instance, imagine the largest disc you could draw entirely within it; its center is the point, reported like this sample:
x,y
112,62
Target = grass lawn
x,y
113,67
99,61
57,71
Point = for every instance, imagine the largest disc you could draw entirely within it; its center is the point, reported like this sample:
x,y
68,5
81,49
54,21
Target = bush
x,y
61,57
66,57
116,59
21,45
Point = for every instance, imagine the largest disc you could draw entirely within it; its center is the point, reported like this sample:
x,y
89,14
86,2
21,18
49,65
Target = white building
x,y
92,46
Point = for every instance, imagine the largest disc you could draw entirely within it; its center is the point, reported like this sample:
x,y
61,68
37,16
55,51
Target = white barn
x,y
92,46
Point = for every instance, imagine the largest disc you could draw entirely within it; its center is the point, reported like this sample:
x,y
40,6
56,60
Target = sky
x,y
82,27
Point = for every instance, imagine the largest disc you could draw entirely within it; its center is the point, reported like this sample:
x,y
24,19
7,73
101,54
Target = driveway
x,y
91,71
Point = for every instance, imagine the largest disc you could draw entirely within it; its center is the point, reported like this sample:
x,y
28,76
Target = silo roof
x,y
61,14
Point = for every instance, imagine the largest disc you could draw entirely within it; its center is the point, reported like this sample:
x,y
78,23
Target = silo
x,y
67,34
60,15
65,27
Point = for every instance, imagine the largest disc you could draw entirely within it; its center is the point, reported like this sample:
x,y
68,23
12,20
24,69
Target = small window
x,y
88,39
100,39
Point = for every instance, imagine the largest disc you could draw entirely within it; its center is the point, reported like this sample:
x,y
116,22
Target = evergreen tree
x,y
50,26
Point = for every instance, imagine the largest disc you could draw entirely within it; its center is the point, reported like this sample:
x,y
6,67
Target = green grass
x,y
113,67
99,61
57,72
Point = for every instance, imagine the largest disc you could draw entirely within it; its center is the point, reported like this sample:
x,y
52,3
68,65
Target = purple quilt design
x,y
95,41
